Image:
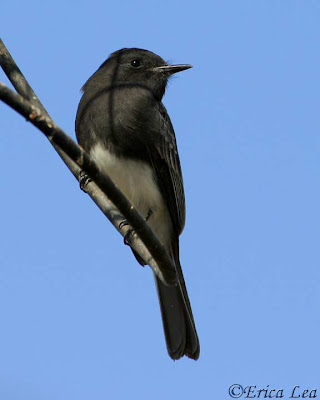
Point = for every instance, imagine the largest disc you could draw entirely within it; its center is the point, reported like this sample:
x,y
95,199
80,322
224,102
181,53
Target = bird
x,y
124,126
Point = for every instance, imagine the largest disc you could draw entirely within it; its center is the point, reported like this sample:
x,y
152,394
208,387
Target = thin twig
x,y
101,189
22,86
18,80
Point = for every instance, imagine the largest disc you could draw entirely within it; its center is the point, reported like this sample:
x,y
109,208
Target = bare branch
x,y
101,189
17,78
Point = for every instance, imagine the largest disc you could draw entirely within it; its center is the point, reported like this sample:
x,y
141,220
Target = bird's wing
x,y
156,135
166,164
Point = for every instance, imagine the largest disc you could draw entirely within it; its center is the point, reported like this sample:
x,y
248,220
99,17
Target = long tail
x,y
178,323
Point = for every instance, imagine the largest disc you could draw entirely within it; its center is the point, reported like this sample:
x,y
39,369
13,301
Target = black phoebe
x,y
123,125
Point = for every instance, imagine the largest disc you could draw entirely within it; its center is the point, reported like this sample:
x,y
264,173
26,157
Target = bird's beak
x,y
172,69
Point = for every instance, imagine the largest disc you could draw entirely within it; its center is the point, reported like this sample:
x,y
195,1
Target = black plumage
x,y
123,124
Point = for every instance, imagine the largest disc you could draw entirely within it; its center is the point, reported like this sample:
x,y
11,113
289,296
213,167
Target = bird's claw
x,y
123,223
126,239
84,179
130,231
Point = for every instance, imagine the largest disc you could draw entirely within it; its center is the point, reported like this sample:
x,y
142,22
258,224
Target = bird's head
x,y
136,66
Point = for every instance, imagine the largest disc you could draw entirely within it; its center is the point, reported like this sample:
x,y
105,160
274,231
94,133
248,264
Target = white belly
x,y
136,180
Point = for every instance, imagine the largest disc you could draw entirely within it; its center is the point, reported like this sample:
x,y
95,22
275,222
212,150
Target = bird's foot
x,y
123,223
126,239
131,231
84,179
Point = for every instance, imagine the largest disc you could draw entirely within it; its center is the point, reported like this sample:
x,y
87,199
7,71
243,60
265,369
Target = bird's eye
x,y
135,63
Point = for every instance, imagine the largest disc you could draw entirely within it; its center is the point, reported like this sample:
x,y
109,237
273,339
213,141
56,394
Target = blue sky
x,y
79,317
